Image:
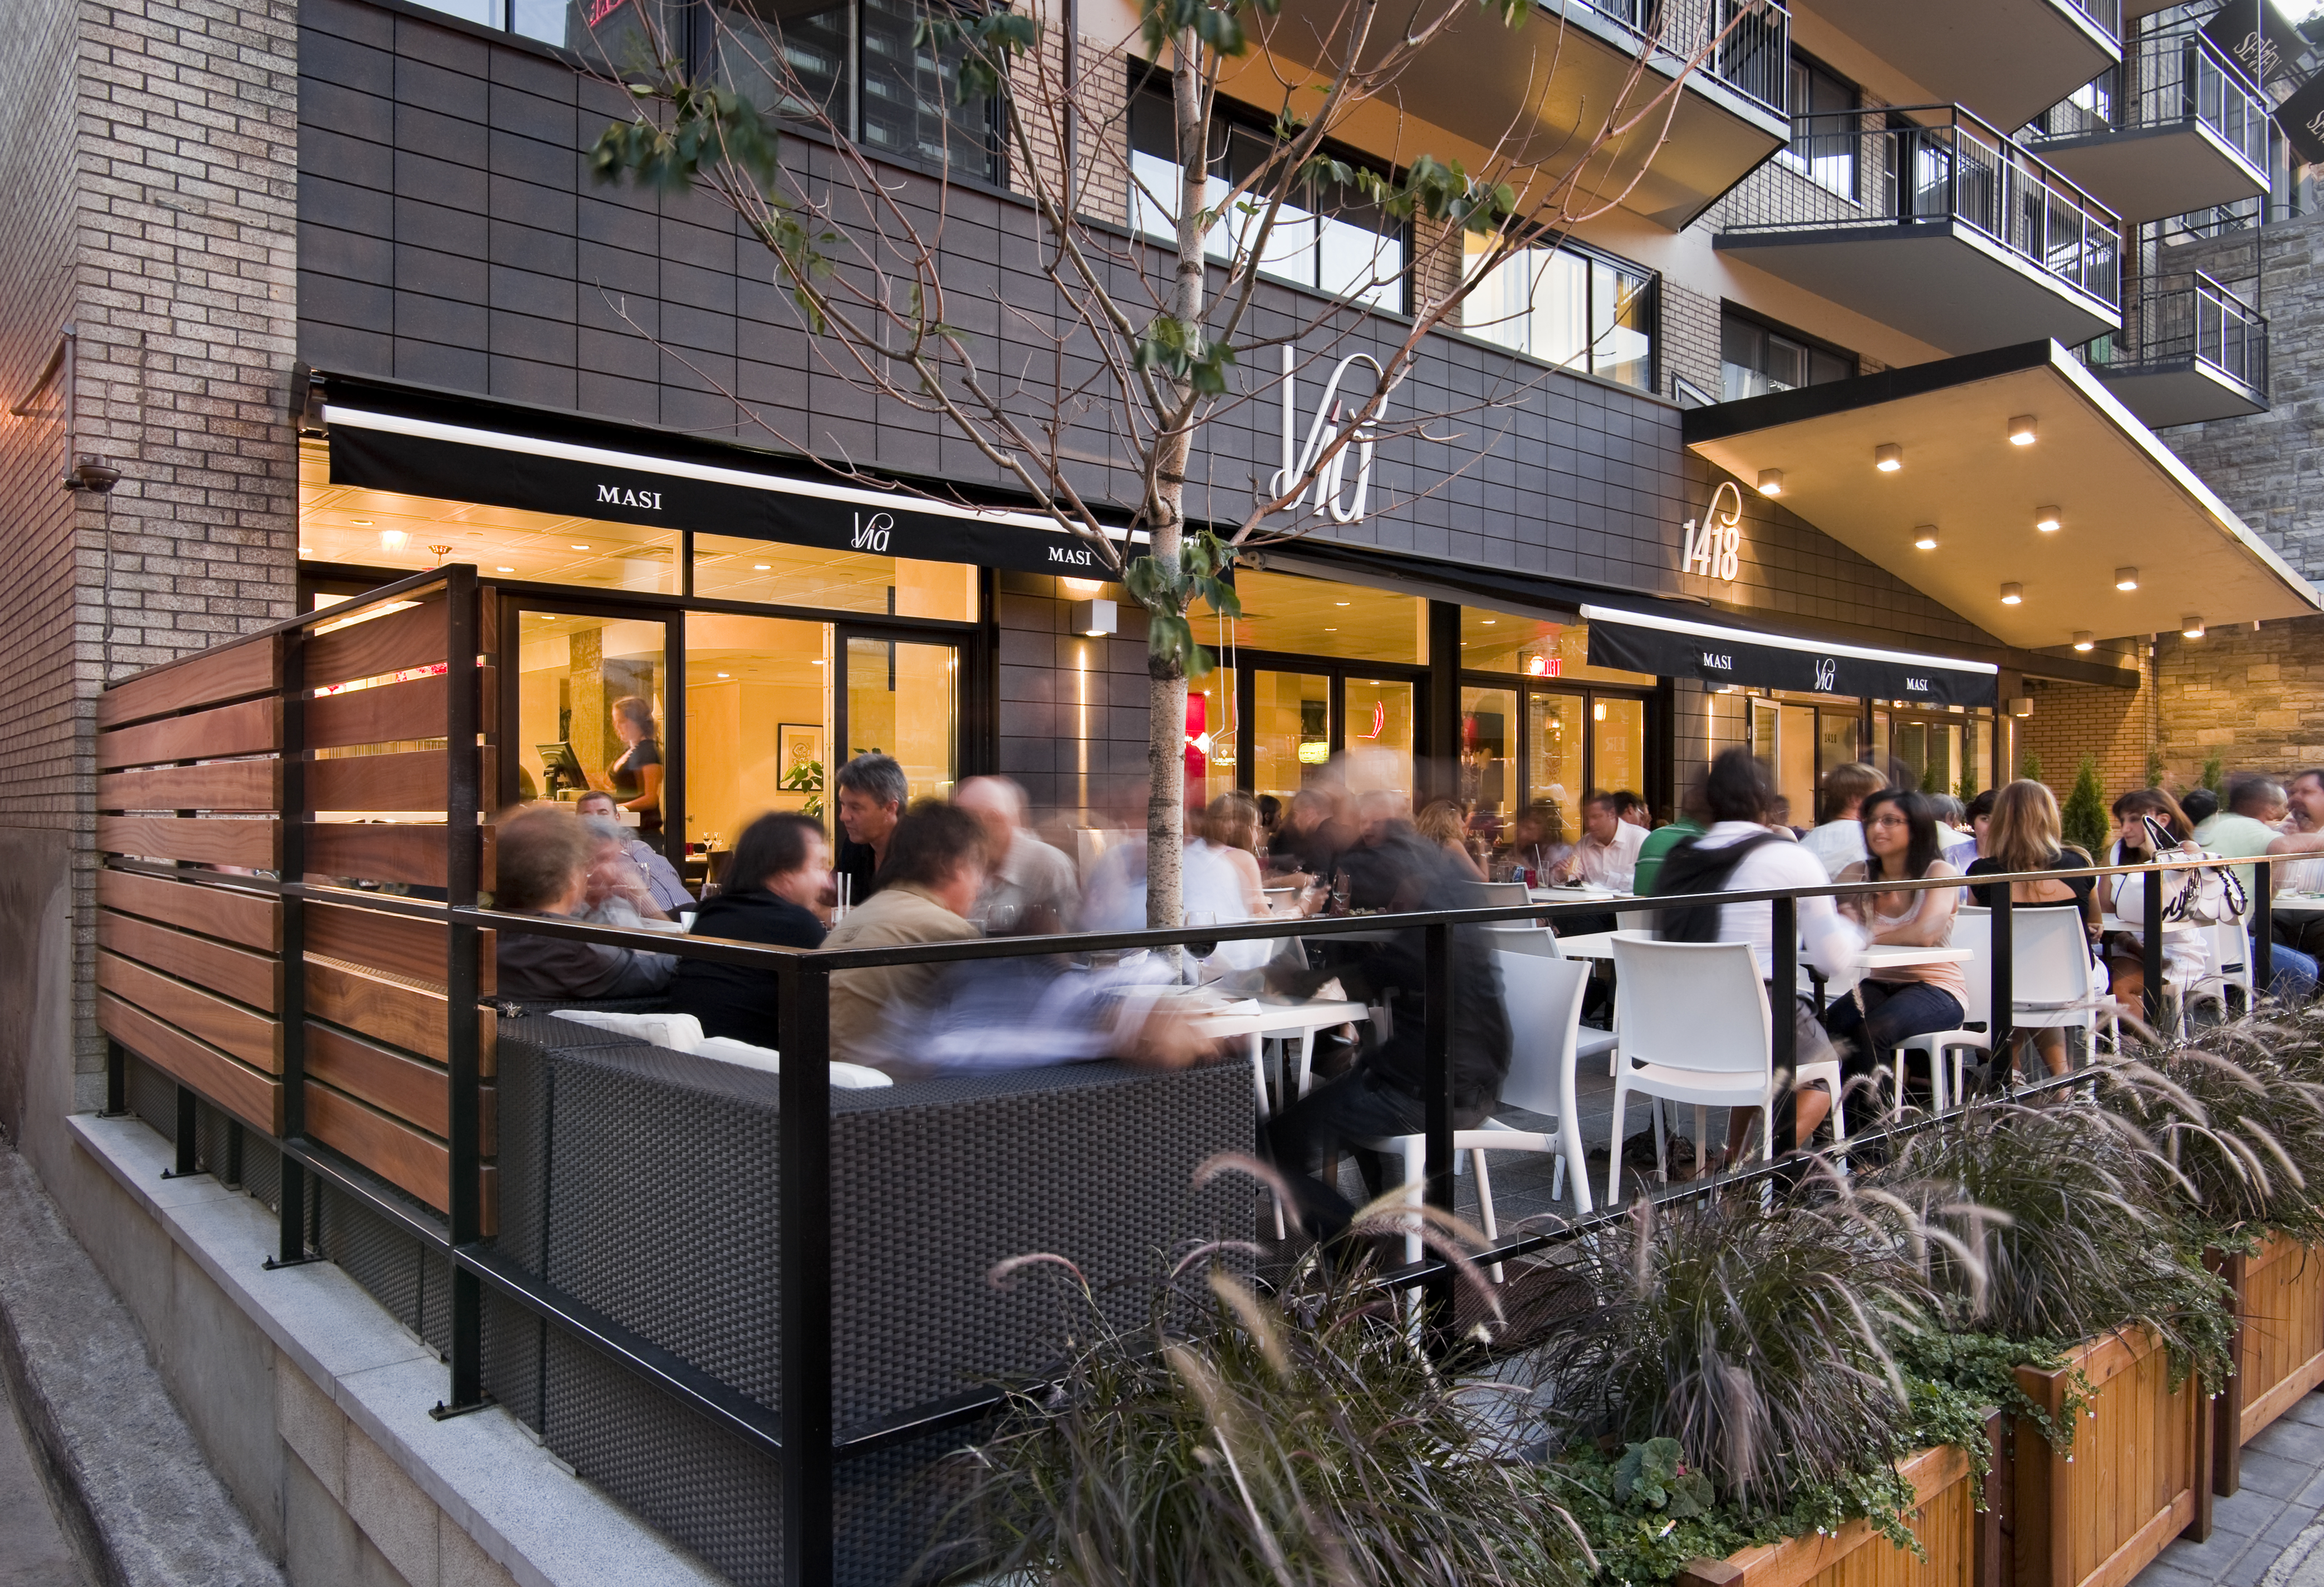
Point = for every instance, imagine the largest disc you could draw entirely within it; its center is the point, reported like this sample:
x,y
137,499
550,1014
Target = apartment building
x,y
1944,317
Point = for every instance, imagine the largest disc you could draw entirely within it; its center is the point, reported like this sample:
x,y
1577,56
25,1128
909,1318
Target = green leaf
x,y
705,123
1177,350
987,43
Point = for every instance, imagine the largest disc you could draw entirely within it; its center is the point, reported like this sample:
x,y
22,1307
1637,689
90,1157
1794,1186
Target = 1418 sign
x,y
1715,550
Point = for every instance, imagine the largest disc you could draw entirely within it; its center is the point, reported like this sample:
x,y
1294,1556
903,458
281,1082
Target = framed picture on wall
x,y
798,750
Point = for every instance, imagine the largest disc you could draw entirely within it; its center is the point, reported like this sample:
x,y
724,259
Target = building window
x,y
1824,128
854,63
1573,307
1755,359
1337,242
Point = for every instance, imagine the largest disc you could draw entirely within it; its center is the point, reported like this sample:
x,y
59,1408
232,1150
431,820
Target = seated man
x,y
619,893
542,856
928,880
663,882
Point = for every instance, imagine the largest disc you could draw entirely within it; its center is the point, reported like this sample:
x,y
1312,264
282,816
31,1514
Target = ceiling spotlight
x,y
392,539
2126,578
1888,457
306,551
726,674
1924,539
580,549
760,567
2082,641
2010,594
361,523
2190,627
815,661
504,569
2045,518
1338,603
1771,481
2021,430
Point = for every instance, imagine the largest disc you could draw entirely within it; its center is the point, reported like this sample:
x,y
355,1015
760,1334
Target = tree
x,y
1967,789
1148,341
2084,817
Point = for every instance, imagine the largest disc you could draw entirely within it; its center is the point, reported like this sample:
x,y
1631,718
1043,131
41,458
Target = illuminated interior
x,y
1315,617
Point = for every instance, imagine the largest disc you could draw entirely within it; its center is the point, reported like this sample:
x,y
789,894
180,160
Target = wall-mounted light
x,y
1924,539
2126,578
2190,627
1094,620
2046,520
2022,706
2021,430
1887,457
1771,481
2082,641
2012,594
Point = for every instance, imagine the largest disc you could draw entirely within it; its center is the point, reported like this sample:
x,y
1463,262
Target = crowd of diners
x,y
934,870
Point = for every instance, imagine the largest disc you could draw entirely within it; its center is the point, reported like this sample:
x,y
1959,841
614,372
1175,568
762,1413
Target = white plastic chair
x,y
2227,965
1695,1027
2053,984
1972,930
1541,943
1543,998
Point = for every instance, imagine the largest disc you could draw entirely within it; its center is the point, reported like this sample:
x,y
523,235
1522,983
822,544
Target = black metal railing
x,y
1938,165
810,1448
2171,77
2179,318
1753,50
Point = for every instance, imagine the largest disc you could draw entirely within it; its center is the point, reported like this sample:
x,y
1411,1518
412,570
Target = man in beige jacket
x,y
928,883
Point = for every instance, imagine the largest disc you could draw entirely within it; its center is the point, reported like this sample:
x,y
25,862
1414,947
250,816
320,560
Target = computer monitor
x,y
560,767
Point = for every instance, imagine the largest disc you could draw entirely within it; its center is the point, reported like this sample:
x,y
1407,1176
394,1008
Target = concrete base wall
x,y
311,1403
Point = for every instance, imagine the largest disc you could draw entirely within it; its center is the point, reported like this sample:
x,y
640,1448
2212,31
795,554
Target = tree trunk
x,y
1166,797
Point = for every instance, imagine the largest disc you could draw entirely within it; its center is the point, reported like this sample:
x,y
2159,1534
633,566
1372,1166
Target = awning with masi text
x,y
1643,642
422,457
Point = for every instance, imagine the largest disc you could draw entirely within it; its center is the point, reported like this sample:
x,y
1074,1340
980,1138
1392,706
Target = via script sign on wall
x,y
1715,550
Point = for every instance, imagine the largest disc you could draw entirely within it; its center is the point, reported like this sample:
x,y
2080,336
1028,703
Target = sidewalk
x,y
33,1552
2269,1534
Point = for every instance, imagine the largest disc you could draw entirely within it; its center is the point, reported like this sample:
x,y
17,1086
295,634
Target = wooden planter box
x,y
1962,1546
2279,1347
2138,1476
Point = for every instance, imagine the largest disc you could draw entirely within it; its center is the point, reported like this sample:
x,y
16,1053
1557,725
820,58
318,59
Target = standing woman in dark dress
x,y
780,871
637,775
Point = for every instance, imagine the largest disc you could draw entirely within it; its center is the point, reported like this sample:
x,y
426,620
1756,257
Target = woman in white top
x,y
2183,959
1901,842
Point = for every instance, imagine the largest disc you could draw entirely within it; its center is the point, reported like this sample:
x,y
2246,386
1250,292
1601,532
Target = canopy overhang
x,y
2124,500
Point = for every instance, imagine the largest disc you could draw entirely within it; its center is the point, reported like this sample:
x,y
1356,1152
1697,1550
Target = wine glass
x,y
1200,951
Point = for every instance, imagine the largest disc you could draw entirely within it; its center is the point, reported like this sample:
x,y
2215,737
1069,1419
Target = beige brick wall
x,y
2114,726
2256,700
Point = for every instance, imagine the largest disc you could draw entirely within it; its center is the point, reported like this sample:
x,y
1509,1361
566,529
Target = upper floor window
x,y
854,63
1334,241
1755,358
1576,308
1824,132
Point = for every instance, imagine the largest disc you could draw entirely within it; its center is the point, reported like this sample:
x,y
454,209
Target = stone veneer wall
x,y
2254,700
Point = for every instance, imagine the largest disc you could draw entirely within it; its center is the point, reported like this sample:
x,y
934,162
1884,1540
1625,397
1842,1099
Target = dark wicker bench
x,y
642,1182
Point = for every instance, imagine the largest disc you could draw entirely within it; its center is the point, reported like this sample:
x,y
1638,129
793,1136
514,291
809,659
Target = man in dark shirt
x,y
540,860
778,871
871,792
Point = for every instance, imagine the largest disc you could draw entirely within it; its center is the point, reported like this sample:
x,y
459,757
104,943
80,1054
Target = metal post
x,y
1437,1082
291,1211
805,1221
2262,931
116,1079
463,862
2005,991
2151,948
189,1142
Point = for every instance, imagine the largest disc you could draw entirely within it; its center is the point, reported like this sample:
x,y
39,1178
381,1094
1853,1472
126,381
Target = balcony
x,y
1926,218
2177,127
1539,93
2007,60
2190,350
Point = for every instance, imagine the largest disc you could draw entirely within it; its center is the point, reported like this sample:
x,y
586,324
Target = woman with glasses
x,y
1901,843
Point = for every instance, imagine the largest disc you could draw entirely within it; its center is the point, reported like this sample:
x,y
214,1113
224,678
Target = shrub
x,y
2215,774
2084,815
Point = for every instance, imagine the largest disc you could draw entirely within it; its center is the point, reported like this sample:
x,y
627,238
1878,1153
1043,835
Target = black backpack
x,y
1689,867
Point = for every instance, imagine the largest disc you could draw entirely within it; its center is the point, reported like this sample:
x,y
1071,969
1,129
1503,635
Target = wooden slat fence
x,y
315,752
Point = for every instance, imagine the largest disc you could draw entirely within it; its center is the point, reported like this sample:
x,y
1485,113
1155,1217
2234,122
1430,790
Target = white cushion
x,y
844,1077
680,1032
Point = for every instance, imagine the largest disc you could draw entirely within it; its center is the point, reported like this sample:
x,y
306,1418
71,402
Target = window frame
x,y
1801,73
1765,327
1593,256
1227,118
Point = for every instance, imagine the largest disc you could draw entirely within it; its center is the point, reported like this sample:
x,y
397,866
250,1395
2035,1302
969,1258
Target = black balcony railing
x,y
1753,40
1939,165
2189,317
2174,77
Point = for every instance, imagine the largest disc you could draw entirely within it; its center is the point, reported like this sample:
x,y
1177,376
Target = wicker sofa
x,y
642,1183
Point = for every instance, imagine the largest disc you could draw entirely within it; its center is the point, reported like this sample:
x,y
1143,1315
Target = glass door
x,y
1556,757
900,698
591,697
1618,743
1488,758
1380,737
758,723
1290,730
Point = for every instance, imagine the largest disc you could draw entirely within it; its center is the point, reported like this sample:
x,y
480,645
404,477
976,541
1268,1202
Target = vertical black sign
x,y
2254,34
2301,118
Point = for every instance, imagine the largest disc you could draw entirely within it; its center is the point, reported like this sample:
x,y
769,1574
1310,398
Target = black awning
x,y
1642,642
426,457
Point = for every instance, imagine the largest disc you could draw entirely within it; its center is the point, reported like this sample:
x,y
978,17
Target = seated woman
x,y
2023,835
2184,957
779,873
1901,839
542,856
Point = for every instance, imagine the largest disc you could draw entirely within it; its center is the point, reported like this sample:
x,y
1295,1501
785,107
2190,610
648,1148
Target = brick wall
x,y
2115,726
1690,345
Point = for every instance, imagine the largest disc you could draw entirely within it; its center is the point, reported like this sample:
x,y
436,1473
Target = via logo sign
x,y
1716,552
1299,459
873,536
1827,672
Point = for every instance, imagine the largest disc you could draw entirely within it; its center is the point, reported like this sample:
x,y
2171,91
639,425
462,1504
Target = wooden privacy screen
x,y
193,762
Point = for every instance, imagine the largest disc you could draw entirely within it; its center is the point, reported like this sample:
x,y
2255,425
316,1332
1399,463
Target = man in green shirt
x,y
1693,822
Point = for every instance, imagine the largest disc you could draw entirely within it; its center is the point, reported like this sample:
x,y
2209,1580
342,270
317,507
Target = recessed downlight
x,y
1771,481
2047,519
1924,539
2082,641
2126,578
2012,594
2021,430
1887,457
